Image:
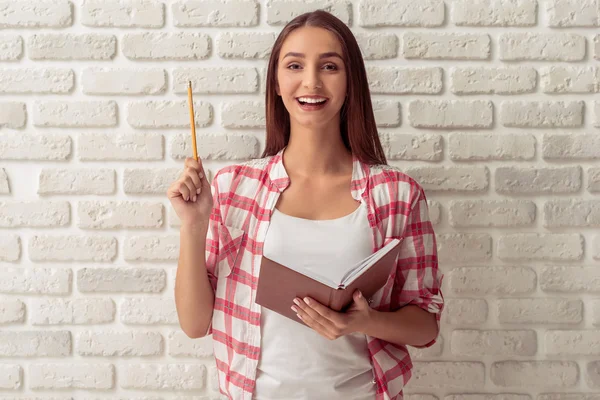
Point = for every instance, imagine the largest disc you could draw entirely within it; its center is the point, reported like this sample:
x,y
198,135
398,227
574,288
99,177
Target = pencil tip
x,y
189,84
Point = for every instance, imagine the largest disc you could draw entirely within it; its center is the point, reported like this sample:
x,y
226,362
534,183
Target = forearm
x,y
410,325
194,296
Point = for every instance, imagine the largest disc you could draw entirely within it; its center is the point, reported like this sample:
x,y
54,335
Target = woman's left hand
x,y
332,324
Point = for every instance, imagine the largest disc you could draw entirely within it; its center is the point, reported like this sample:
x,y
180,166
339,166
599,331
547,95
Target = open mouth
x,y
311,104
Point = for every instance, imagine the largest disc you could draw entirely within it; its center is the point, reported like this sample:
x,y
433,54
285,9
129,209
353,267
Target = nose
x,y
312,78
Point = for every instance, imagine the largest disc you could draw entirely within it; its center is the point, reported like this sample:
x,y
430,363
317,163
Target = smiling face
x,y
310,69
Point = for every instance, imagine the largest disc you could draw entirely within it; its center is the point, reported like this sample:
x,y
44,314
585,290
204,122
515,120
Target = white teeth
x,y
313,101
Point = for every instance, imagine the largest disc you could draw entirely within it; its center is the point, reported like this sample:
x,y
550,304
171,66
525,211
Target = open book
x,y
278,285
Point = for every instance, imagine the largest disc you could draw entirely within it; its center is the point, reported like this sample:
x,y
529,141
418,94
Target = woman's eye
x,y
332,67
329,67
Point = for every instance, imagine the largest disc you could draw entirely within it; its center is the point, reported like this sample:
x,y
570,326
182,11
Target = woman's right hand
x,y
190,195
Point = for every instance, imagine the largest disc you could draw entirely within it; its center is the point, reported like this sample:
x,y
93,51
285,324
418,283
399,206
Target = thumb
x,y
360,300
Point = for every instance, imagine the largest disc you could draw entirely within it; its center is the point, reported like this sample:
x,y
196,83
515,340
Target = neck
x,y
313,152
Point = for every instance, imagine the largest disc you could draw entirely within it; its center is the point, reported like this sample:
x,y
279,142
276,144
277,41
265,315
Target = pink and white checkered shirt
x,y
245,195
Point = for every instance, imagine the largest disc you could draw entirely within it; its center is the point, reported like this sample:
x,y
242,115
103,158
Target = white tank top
x,y
296,362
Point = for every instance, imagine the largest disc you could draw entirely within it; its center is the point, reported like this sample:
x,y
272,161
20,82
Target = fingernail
x,y
306,300
294,309
198,191
296,301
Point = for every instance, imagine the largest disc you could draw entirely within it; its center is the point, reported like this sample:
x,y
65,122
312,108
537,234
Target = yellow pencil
x,y
191,104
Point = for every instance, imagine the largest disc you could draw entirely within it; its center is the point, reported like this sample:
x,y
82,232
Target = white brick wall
x,y
492,105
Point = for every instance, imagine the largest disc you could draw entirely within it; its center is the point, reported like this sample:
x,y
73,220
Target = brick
x,y
243,114
541,246
596,47
11,376
412,147
449,375
36,81
245,45
496,13
557,79
593,374
464,146
404,80
572,146
573,13
119,215
180,345
80,181
568,396
12,311
4,183
493,80
428,353
553,180
450,114
451,179
35,280
446,46
13,115
378,46
497,280
121,81
464,247
597,114
540,311
148,311
387,113
571,213
593,180
224,80
596,248
216,147
123,14
149,180
35,343
75,114
36,14
69,46
517,46
72,248
167,114
71,376
119,344
121,280
504,343
405,13
494,213
28,146
80,311
34,214
151,248
280,12
542,114
121,147
166,377
163,46
535,374
215,13
571,343
11,47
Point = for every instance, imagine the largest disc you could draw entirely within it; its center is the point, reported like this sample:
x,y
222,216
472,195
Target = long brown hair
x,y
357,121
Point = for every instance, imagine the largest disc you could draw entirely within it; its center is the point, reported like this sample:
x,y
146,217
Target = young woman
x,y
321,196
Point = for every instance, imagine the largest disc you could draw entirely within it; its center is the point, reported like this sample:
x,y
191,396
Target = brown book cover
x,y
278,285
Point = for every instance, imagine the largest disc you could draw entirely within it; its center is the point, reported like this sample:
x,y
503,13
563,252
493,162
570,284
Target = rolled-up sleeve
x,y
418,279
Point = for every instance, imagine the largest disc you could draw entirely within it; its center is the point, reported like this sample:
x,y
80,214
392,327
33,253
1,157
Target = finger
x,y
193,190
318,311
312,323
184,190
196,181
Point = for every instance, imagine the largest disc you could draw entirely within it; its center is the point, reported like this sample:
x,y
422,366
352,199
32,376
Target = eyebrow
x,y
321,56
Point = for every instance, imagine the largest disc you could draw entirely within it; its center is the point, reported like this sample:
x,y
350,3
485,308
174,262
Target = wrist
x,y
368,325
195,227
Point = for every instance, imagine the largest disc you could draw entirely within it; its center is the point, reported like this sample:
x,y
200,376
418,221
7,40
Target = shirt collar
x,y
279,177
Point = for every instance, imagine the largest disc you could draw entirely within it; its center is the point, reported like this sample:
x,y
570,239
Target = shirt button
x,y
373,381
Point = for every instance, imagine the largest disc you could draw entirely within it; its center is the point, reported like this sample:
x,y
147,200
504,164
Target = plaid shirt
x,y
244,197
